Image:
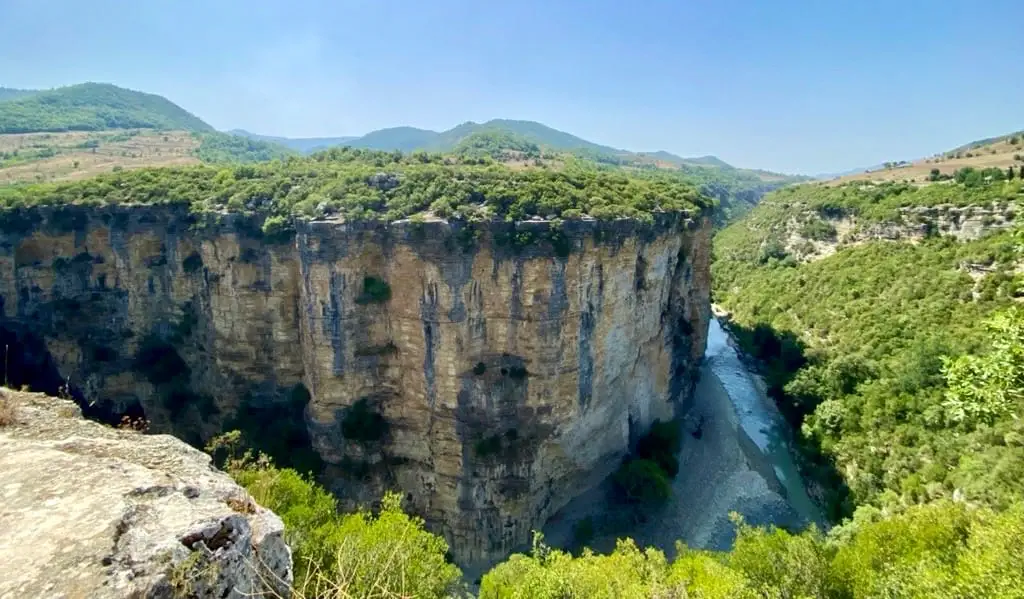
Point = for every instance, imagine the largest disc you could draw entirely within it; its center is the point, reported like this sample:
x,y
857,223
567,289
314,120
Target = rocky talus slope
x,y
90,511
490,373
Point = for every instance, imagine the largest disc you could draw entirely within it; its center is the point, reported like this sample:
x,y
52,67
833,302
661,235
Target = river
x,y
738,461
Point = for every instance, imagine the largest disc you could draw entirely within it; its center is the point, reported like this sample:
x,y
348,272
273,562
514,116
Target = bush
x,y
387,554
375,291
192,262
277,228
642,482
661,445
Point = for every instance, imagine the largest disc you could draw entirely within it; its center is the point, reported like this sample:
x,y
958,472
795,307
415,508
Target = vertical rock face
x,y
491,373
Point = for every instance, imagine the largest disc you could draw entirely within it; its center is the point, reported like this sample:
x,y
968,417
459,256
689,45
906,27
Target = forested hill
x,y
7,93
887,315
93,107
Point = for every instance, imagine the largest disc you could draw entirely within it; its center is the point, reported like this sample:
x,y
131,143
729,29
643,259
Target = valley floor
x,y
733,459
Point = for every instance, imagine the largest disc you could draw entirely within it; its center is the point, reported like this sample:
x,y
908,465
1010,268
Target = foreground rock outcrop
x,y
489,372
89,511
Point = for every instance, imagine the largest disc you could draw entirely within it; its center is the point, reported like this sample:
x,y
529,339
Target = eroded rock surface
x,y
491,373
89,511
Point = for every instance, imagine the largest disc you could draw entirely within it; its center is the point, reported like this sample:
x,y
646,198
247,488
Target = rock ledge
x,y
92,511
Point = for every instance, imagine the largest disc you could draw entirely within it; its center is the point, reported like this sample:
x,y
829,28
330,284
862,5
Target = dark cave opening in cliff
x,y
28,364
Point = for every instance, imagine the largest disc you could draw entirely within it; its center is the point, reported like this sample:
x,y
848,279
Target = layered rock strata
x,y
490,372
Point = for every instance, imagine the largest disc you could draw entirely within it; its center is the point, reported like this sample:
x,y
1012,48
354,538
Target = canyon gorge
x,y
491,372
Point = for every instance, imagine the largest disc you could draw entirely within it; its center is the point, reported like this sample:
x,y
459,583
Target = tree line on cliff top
x,y
370,185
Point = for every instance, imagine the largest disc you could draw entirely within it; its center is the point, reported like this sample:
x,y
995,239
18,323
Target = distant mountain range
x,y
306,145
102,106
409,139
91,107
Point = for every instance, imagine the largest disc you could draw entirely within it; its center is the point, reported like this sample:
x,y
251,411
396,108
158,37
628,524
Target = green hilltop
x,y
7,93
92,107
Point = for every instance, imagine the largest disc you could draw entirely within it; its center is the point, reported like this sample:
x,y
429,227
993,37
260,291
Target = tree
x,y
934,175
983,388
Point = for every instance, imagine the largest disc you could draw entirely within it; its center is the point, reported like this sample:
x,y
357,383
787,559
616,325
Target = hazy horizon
x,y
794,87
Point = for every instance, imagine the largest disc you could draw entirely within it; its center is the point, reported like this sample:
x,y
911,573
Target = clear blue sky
x,y
797,86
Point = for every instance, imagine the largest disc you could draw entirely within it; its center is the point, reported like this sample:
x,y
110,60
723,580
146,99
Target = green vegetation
x,y
217,147
93,107
645,477
875,353
375,291
362,185
358,555
943,550
882,201
497,144
7,93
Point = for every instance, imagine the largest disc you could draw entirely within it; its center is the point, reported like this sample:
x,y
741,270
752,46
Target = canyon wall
x,y
913,224
490,373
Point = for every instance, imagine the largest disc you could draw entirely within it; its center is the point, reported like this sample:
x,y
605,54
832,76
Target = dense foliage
x,y
943,550
497,144
94,107
359,184
883,201
361,554
8,93
867,349
217,147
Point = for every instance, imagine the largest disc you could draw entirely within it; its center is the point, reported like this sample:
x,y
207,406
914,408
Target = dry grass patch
x,y
8,409
46,157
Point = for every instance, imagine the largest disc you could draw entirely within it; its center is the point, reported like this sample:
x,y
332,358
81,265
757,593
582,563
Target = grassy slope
x,y
854,341
94,107
69,156
992,152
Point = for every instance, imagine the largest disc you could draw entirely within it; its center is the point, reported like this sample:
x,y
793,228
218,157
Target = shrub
x,y
479,368
192,262
488,446
277,228
387,554
661,445
642,482
375,291
385,349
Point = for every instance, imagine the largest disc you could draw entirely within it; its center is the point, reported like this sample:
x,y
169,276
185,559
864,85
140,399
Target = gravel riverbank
x,y
738,462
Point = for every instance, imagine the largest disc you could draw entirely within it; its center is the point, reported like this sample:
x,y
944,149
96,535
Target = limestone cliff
x,y
832,232
89,511
491,373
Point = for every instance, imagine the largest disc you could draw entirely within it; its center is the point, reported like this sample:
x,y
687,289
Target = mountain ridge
x,y
93,107
408,139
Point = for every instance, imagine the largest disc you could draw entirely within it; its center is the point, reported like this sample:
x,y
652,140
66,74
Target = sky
x,y
794,86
